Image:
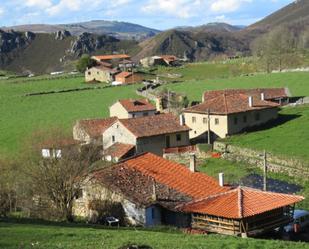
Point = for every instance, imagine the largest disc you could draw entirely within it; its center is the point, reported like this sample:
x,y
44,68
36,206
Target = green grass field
x,y
53,236
288,139
21,116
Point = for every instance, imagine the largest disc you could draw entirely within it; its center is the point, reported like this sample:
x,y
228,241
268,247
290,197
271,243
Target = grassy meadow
x,y
58,236
21,116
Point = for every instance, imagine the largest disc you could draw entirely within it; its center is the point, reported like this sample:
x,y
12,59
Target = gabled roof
x,y
145,175
240,203
111,56
269,93
95,127
230,103
153,125
124,74
175,175
118,150
137,105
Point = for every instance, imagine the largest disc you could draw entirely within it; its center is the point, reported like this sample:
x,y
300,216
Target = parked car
x,y
299,223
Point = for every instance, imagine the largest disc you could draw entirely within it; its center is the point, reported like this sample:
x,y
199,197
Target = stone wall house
x,y
228,114
155,191
149,188
131,108
91,130
100,74
148,134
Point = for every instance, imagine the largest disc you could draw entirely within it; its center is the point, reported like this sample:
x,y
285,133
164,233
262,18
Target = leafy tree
x,y
85,62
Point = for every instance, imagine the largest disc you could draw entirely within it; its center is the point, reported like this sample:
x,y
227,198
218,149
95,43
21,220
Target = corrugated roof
x,y
137,105
240,203
154,125
95,127
269,93
230,103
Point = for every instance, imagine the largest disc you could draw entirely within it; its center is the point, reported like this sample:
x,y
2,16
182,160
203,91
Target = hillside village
x,y
145,145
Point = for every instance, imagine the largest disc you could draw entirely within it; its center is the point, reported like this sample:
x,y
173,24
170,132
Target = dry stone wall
x,y
275,163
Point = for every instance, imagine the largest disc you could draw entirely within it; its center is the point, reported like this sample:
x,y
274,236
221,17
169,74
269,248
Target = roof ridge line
x,y
240,202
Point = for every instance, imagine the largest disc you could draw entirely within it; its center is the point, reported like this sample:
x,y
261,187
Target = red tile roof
x,y
240,203
95,127
176,176
231,103
154,125
124,74
118,150
169,58
111,56
58,143
269,93
137,105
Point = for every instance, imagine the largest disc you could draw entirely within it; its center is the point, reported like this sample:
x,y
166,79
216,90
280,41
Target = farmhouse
x,y
100,74
128,77
242,211
131,108
90,130
227,114
155,191
58,147
148,134
277,95
162,60
148,188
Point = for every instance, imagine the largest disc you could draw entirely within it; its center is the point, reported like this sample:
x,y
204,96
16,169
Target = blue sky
x,y
159,14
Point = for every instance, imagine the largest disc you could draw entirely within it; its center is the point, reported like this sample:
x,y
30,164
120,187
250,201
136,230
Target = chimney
x,y
192,162
250,101
221,179
182,119
262,96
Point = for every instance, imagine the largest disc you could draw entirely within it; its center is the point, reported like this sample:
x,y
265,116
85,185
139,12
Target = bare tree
x,y
57,177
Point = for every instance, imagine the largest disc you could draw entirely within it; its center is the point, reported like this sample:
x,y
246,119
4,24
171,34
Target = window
x,y
257,116
57,153
45,153
133,115
204,120
245,119
178,137
97,72
145,114
235,120
113,139
216,121
193,119
89,73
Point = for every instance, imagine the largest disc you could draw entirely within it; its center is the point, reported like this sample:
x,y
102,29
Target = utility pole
x,y
168,100
265,171
208,124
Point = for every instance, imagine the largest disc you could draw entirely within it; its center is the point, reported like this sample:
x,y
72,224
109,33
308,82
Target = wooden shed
x,y
242,211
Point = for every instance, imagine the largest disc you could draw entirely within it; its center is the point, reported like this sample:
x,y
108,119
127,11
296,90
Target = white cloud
x,y
64,6
2,11
178,8
226,6
38,3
